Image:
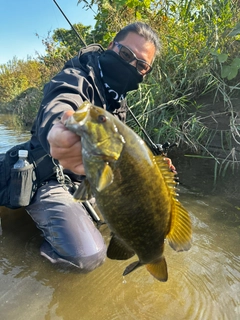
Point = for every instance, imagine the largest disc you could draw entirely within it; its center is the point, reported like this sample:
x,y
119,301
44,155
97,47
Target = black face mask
x,y
119,77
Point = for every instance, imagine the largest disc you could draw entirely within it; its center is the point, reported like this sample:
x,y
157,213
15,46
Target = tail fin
x,y
158,269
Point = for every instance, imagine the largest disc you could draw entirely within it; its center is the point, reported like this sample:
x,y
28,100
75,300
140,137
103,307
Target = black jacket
x,y
77,82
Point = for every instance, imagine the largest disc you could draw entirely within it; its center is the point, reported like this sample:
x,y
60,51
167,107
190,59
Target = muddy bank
x,y
221,118
213,168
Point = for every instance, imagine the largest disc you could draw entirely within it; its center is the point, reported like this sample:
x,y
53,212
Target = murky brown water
x,y
204,283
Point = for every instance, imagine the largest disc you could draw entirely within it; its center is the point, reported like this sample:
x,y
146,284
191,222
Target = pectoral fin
x,y
105,177
117,250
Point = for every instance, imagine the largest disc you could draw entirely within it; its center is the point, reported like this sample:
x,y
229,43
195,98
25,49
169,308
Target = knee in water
x,y
88,264
85,264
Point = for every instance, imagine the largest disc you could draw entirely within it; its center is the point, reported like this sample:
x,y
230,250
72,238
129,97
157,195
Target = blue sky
x,y
20,20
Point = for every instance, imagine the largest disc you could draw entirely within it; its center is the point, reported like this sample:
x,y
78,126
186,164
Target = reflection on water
x,y
9,136
204,283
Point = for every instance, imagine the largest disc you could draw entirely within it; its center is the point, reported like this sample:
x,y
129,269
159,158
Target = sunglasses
x,y
127,55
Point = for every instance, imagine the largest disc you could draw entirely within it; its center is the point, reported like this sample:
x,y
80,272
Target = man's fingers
x,y
171,166
76,168
66,115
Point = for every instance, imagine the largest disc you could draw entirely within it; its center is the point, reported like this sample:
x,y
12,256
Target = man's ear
x,y
110,46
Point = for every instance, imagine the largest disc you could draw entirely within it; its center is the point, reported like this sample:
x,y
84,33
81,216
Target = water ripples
x,y
203,284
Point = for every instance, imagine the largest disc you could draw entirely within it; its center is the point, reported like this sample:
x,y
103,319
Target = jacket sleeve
x,y
66,91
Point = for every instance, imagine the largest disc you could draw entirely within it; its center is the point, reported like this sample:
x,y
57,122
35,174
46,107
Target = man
x,y
103,78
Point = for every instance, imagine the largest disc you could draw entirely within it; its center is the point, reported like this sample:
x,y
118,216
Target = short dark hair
x,y
143,30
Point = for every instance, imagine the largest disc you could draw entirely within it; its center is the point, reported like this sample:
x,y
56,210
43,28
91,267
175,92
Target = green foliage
x,y
62,45
25,107
20,89
71,39
17,76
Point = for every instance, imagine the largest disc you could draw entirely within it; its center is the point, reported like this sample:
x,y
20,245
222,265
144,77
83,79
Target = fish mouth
x,y
74,125
77,120
80,117
81,114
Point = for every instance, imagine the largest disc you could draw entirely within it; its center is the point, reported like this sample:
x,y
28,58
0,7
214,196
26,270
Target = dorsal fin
x,y
168,175
180,233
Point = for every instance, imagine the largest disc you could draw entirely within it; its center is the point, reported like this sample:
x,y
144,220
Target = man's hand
x,y
65,146
171,166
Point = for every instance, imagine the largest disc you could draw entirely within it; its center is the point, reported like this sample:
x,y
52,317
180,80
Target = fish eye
x,y
101,118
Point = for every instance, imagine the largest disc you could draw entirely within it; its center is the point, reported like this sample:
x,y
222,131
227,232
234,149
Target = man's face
x,y
139,46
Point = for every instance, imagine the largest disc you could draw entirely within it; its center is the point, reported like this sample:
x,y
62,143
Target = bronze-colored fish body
x,y
134,191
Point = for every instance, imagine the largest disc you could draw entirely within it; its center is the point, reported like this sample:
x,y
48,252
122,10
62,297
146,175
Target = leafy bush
x,y
200,55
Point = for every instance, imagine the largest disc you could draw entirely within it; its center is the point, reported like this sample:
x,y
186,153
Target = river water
x,y
204,283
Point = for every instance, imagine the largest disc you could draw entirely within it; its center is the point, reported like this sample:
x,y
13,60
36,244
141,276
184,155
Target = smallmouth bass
x,y
134,191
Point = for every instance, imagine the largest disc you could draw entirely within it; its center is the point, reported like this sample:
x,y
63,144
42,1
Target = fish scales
x,y
134,191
